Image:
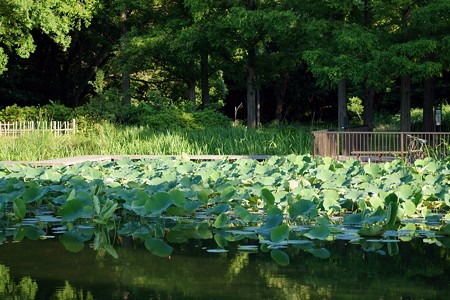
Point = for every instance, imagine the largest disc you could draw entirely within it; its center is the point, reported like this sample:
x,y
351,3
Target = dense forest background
x,y
257,60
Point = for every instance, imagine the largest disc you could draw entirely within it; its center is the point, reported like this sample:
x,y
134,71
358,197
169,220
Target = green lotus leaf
x,y
176,236
108,210
158,203
19,208
221,221
268,197
320,253
279,233
203,233
393,249
220,241
33,192
302,208
392,214
109,249
409,208
241,212
192,205
374,230
177,197
376,202
279,257
330,199
318,232
158,247
72,241
376,216
219,209
325,175
404,192
353,219
71,210
30,232
374,170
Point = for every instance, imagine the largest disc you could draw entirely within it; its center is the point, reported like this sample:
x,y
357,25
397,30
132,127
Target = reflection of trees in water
x,y
26,288
69,292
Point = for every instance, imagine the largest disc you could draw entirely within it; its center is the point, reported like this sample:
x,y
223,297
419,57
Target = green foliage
x,y
55,18
156,118
417,118
164,201
355,109
49,112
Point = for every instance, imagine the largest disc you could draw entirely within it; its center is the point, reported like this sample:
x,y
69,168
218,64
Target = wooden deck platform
x,y
69,161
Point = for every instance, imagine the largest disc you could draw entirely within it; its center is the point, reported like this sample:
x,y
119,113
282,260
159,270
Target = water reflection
x,y
44,270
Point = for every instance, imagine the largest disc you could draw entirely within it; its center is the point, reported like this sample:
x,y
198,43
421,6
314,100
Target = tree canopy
x,y
284,60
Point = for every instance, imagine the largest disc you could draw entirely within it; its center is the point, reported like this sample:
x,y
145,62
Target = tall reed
x,y
112,139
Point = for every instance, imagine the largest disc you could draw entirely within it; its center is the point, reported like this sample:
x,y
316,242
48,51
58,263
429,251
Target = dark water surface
x,y
45,270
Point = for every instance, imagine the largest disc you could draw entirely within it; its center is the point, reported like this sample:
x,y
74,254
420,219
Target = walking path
x,y
69,161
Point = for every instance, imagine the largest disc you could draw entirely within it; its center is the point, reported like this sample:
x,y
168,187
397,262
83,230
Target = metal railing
x,y
381,145
20,128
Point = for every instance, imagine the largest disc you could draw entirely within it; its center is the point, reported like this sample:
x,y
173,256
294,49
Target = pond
x,y
45,270
293,227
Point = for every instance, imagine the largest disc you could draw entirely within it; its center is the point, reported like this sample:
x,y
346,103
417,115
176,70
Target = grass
x,y
110,139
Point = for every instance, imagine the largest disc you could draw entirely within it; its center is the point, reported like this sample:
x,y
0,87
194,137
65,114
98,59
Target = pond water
x,y
45,270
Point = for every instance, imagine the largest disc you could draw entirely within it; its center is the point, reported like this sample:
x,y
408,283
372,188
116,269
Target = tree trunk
x,y
126,96
342,104
405,105
368,107
428,101
205,78
191,85
251,91
280,94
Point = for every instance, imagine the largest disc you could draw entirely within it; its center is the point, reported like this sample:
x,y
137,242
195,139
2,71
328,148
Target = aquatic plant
x,y
285,202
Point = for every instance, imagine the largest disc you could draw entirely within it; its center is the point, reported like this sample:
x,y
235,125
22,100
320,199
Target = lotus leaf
x,y
158,247
280,257
72,241
321,253
279,233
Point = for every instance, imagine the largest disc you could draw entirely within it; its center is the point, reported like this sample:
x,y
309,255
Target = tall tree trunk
x,y
126,96
428,101
191,84
405,104
342,104
204,77
251,91
280,94
368,107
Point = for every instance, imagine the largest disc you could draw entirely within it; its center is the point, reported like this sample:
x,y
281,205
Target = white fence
x,y
21,128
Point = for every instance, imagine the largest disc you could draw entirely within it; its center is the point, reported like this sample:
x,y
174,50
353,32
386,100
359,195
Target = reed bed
x,y
111,139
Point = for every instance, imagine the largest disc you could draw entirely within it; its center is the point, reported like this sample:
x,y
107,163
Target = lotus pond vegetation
x,y
281,208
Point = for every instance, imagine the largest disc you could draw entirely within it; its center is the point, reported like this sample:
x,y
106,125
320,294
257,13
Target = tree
x,y
338,54
55,18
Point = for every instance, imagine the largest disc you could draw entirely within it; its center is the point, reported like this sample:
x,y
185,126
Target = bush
x,y
15,113
144,114
57,112
209,118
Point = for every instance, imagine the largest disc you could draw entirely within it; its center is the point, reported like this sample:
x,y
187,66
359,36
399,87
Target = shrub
x,y
209,118
57,112
15,113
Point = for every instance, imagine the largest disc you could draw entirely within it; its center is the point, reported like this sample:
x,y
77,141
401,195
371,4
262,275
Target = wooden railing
x,y
20,128
381,146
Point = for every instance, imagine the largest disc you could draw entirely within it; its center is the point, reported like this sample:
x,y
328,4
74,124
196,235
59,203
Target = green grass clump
x,y
105,139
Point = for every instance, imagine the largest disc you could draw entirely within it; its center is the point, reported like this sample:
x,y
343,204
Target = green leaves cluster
x,y
291,201
54,18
